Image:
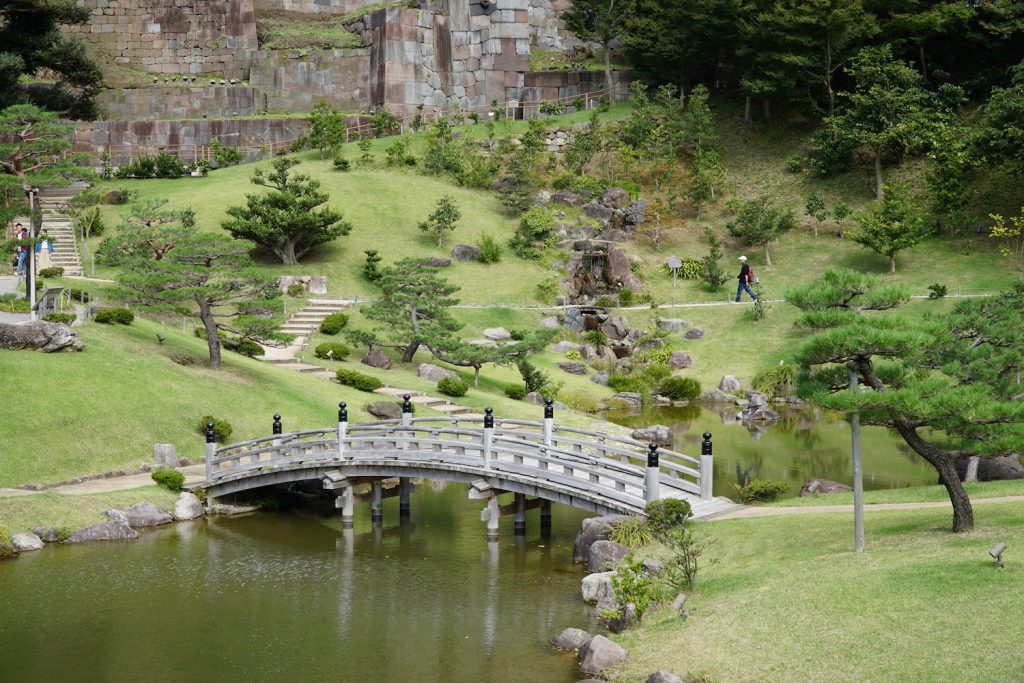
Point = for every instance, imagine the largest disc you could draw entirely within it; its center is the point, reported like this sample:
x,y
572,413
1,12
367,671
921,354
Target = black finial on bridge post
x,y
277,424
652,455
407,403
549,408
488,418
705,446
211,436
342,412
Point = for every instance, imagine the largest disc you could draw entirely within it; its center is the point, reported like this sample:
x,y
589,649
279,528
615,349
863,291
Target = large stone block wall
x,y
174,36
293,81
180,102
315,6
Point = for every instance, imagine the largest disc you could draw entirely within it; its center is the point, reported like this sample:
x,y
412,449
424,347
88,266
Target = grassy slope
x,y
916,494
786,599
52,509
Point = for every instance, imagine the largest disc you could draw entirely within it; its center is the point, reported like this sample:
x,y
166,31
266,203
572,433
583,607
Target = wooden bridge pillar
x,y
404,489
377,504
545,517
493,514
348,500
519,520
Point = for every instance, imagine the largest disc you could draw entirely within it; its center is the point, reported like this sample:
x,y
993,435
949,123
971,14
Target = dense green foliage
x,y
358,380
111,316
443,219
679,388
333,324
450,386
172,480
760,490
332,351
222,429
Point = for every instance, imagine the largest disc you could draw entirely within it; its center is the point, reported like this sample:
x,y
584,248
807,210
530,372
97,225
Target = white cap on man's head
x,y
743,258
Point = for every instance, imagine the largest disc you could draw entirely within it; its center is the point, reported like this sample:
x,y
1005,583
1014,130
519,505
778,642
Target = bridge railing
x,y
612,463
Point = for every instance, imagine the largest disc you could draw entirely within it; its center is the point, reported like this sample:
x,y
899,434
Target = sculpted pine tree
x,y
949,386
477,355
208,277
287,219
412,310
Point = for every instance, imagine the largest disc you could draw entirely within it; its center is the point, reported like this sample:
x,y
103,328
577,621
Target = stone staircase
x,y
307,319
58,226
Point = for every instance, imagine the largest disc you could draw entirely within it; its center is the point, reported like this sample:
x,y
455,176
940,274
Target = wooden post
x,y
377,504
276,431
347,507
493,517
488,436
406,421
404,489
211,450
545,517
342,428
858,473
652,486
519,521
707,468
549,428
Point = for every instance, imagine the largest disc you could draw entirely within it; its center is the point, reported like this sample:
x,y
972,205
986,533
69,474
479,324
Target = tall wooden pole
x,y
858,473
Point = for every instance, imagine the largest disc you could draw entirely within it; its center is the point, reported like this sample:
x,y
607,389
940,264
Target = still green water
x,y
292,597
804,444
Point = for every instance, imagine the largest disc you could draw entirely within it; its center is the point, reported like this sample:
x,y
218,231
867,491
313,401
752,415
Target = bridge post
x,y
652,487
348,500
342,428
276,429
493,517
377,504
519,520
488,436
211,450
707,468
404,489
545,517
406,421
549,428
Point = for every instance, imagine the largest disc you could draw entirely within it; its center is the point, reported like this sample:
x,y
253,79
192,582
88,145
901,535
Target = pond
x,y
805,443
291,596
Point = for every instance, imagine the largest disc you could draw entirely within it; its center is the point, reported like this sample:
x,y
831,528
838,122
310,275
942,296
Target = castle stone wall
x,y
180,102
315,6
293,81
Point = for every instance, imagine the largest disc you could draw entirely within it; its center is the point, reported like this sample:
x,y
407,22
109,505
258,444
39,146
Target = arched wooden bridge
x,y
585,469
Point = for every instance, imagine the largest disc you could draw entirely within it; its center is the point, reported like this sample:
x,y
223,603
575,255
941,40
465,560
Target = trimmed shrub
x,y
332,351
109,316
760,490
666,514
221,428
516,392
333,323
449,386
62,318
766,380
679,388
490,248
172,480
56,271
358,380
247,347
296,289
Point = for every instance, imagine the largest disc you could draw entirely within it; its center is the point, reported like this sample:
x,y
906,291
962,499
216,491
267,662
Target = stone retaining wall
x,y
180,102
315,6
293,81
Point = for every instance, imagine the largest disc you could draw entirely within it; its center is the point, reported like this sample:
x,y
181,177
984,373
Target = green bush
x,y
247,347
7,550
51,272
333,323
679,388
337,351
296,289
630,383
573,354
12,303
358,380
547,290
760,490
450,386
536,229
490,248
666,514
579,399
768,379
225,156
632,584
595,338
937,291
795,163
632,532
516,392
221,428
170,479
109,316
62,318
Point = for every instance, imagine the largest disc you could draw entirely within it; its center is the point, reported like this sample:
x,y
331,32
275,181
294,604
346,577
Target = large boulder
x,y
435,373
671,324
615,327
606,555
629,399
598,212
376,358
663,677
601,654
615,198
573,367
596,586
567,198
165,454
465,252
600,378
592,529
438,262
146,514
680,360
815,486
187,506
572,639
39,335
634,214
26,542
715,396
694,333
565,347
729,383
659,434
113,530
385,410
549,323
48,534
618,270
996,468
497,334
758,413
650,344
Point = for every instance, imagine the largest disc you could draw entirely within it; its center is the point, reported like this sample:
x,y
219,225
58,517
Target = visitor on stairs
x,y
22,250
44,249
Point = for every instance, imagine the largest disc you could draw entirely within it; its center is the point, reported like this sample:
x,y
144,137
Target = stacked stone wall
x,y
293,81
180,102
315,6
174,36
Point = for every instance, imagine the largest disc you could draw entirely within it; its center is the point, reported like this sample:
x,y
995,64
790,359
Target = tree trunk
x,y
746,111
963,513
410,351
767,257
476,375
287,254
924,64
212,338
766,106
438,239
892,263
608,72
878,174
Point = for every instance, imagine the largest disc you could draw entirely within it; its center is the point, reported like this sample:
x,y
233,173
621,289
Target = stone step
x,y
451,409
427,401
394,391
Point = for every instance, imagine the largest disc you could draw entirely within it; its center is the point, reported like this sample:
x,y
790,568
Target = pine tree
x,y
444,218
759,222
892,226
711,265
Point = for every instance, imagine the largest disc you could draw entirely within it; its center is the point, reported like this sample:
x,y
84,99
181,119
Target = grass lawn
x,y
916,494
22,513
786,599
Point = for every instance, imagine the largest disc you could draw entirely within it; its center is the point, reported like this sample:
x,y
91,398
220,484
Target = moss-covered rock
x,y
7,550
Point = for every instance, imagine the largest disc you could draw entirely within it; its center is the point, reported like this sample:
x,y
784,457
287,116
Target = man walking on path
x,y
745,277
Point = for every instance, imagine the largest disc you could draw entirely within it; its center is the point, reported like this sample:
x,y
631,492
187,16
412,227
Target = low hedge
x,y
358,380
169,479
109,316
679,388
333,323
516,392
332,351
56,271
450,386
62,318
221,428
